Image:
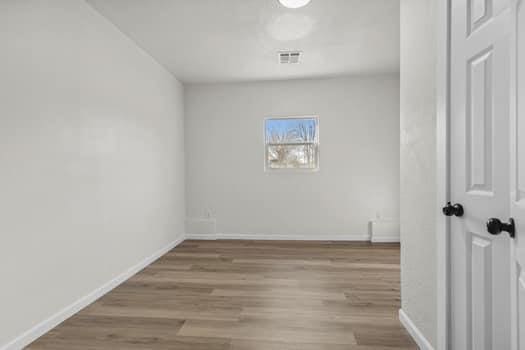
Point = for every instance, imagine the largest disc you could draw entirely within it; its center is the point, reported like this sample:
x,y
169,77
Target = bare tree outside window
x,y
292,143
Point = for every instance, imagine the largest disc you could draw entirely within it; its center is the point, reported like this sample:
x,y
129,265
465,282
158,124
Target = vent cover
x,y
289,57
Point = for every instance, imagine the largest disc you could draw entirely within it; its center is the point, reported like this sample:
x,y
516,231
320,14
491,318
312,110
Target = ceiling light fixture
x,y
294,4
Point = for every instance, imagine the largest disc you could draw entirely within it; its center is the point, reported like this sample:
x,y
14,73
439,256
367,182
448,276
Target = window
x,y
292,143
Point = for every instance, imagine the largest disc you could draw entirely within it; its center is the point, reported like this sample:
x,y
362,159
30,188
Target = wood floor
x,y
249,295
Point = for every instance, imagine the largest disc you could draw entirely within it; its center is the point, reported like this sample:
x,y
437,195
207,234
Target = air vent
x,y
289,57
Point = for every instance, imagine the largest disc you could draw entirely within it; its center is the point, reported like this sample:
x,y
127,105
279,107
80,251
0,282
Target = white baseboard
x,y
45,326
414,332
262,237
201,237
386,239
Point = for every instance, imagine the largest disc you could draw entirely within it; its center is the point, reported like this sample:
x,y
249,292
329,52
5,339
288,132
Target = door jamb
x,y
443,41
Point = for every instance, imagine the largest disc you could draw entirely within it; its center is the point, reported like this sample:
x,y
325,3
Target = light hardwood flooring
x,y
248,295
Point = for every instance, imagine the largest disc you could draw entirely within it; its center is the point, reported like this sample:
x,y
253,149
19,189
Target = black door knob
x,y
495,227
453,210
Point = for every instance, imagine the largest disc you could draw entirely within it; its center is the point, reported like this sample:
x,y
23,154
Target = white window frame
x,y
292,170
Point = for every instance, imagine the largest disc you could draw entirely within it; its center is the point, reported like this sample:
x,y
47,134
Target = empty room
x,y
262,174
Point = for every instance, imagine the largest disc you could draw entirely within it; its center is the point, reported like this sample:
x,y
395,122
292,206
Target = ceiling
x,y
238,40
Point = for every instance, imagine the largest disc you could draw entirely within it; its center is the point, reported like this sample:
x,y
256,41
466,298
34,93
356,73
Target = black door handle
x,y
495,227
453,210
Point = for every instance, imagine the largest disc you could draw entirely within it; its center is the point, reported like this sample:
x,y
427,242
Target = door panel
x,y
479,123
521,311
478,12
481,292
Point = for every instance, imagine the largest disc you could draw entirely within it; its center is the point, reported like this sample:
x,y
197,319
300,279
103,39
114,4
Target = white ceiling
x,y
238,40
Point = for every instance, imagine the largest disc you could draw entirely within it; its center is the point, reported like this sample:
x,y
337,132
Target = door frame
x,y
443,42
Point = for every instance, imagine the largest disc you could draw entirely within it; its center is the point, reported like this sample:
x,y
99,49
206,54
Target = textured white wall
x,y
91,150
359,162
418,164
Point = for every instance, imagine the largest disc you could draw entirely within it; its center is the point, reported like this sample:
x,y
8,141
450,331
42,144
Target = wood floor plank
x,y
268,330
249,295
240,344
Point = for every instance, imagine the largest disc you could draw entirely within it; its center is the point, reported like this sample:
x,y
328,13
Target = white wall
x,y
359,162
418,164
91,154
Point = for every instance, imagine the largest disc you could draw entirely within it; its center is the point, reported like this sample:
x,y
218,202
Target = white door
x,y
481,266
517,170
